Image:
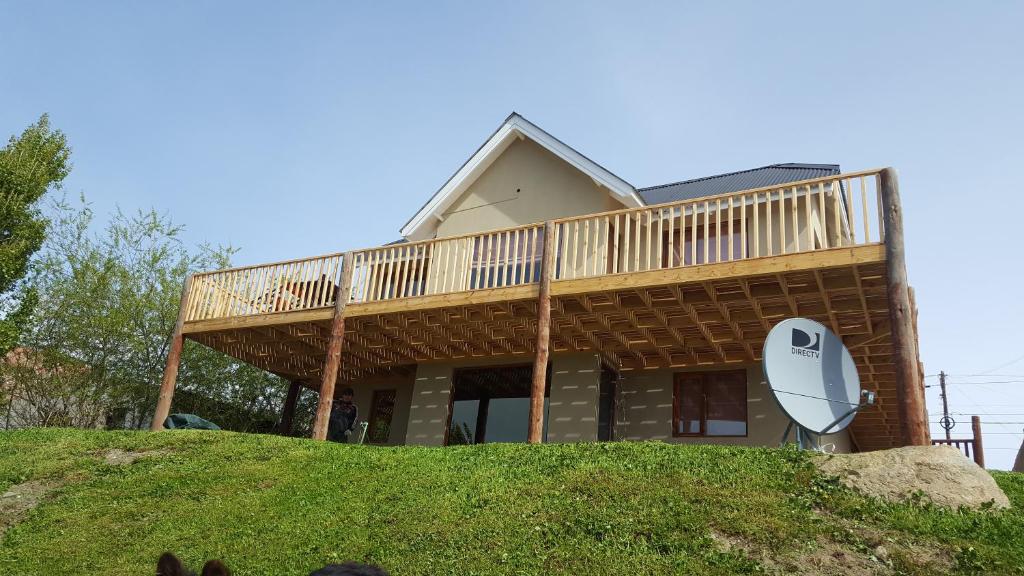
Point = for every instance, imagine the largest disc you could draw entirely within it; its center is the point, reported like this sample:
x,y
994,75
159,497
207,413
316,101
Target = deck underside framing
x,y
682,317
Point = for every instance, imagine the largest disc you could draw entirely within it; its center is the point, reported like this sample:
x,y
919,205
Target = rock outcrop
x,y
940,473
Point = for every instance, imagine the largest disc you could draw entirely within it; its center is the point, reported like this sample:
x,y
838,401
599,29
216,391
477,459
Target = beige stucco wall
x,y
643,404
572,402
428,410
363,398
574,397
643,411
526,184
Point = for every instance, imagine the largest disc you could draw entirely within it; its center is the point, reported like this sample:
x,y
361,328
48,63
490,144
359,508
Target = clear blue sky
x,y
292,129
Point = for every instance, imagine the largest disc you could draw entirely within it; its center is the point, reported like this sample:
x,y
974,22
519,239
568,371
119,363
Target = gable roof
x,y
735,181
423,223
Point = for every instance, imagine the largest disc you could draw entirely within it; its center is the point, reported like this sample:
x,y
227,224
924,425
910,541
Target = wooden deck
x,y
699,282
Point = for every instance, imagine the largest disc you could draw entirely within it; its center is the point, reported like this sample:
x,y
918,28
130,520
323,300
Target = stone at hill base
x,y
942,473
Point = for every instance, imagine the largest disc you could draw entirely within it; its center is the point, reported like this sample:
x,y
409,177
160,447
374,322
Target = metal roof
x,y
735,181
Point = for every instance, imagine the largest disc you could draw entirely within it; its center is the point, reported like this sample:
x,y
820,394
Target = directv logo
x,y
802,344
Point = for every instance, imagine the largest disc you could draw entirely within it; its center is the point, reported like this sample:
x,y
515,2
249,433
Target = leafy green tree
x,y
108,300
30,165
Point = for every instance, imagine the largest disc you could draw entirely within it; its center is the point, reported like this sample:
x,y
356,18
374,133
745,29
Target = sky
x,y
300,128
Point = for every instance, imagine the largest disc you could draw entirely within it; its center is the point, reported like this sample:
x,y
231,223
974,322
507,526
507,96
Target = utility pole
x,y
947,424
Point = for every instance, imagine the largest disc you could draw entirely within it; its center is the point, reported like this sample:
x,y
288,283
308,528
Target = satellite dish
x,y
813,377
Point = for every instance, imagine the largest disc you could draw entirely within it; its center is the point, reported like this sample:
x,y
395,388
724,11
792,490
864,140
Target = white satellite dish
x,y
813,377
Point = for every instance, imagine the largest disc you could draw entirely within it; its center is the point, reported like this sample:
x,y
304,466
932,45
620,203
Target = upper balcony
x,y
672,242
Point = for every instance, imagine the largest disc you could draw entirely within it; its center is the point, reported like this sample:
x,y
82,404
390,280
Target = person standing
x,y
343,418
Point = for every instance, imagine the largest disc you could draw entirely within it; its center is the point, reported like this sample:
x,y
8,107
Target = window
x,y
492,405
381,410
710,404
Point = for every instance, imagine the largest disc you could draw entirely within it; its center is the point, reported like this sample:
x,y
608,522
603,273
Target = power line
x,y
988,414
976,375
987,422
1014,361
978,382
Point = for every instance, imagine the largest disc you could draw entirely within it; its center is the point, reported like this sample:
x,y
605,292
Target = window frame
x,y
703,376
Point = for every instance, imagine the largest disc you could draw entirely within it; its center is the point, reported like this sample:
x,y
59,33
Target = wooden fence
x,y
973,447
965,445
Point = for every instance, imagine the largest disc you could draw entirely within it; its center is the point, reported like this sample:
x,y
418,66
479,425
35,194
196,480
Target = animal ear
x,y
169,565
215,568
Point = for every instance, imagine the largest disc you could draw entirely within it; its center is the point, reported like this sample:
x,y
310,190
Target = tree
x,y
109,300
30,165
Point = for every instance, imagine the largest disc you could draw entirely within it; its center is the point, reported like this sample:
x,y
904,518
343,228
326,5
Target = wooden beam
x,y
540,360
878,331
163,403
333,360
909,388
803,261
465,298
288,414
256,320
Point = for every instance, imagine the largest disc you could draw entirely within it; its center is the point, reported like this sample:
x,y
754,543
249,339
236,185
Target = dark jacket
x,y
343,418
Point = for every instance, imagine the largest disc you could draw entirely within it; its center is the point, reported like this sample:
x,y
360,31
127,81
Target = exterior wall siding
x,y
644,411
525,184
428,409
574,397
403,387
643,404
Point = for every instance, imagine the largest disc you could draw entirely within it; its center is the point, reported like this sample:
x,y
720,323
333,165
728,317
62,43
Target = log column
x,y
909,387
979,450
288,413
163,403
540,360
333,361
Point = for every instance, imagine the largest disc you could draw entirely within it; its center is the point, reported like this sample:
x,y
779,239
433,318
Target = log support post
x,y
170,380
288,413
979,450
333,361
540,361
909,386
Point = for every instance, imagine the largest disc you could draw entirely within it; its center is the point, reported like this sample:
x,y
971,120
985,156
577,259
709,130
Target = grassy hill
x,y
282,506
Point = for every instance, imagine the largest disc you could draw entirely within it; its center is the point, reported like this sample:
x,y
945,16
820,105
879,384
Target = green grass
x,y
282,506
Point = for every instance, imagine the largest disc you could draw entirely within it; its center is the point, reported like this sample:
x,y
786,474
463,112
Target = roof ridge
x,y
784,165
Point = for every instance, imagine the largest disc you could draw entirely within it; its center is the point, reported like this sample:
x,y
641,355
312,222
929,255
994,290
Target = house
x,y
536,296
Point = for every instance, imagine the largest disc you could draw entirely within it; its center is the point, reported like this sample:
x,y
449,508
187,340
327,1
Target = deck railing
x,y
812,215
494,259
831,212
287,286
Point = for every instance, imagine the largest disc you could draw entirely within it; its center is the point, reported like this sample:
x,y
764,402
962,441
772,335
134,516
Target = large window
x,y
492,405
710,404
